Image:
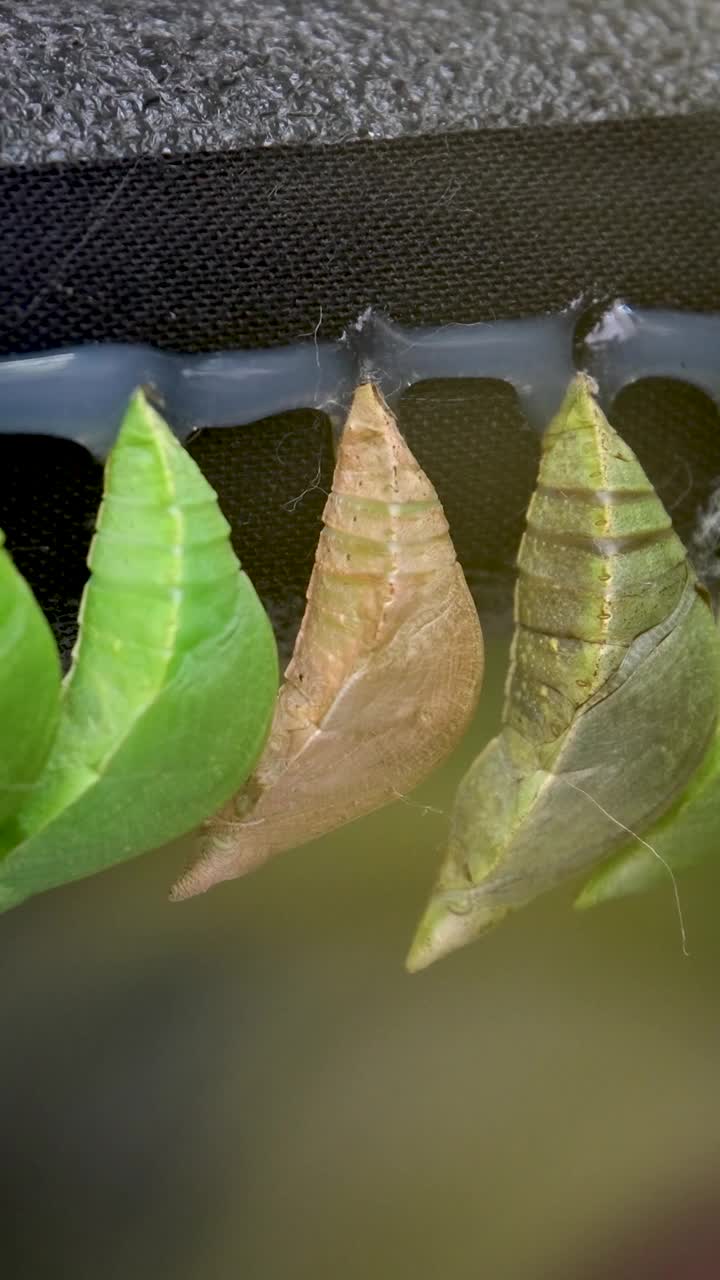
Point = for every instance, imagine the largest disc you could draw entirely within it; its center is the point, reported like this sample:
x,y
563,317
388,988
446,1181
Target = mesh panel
x,y
675,430
247,249
49,495
272,478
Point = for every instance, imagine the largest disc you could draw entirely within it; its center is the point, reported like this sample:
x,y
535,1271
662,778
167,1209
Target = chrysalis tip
x,y
368,395
142,418
181,891
450,922
192,883
578,409
630,873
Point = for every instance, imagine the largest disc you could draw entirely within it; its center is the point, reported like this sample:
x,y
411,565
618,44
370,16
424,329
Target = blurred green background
x,y
250,1085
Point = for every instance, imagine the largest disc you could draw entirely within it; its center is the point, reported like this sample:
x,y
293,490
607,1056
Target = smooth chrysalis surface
x,y
687,834
387,665
612,695
170,695
29,687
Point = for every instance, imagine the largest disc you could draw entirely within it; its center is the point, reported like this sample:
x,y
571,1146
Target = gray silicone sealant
x,y
81,393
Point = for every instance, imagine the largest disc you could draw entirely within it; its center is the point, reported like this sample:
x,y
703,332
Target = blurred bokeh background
x,y
249,1084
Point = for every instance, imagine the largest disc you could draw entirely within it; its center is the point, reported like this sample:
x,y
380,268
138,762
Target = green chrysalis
x,y
29,687
608,708
687,834
170,695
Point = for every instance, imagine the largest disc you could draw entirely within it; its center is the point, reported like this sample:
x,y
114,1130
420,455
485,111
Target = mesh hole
x,y
675,430
50,490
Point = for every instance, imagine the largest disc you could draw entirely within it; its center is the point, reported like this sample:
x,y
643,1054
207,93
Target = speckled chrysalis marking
x,y
608,710
29,688
387,665
171,691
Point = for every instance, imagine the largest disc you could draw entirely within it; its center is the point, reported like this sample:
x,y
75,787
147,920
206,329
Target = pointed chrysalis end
x,y
629,873
203,873
586,385
369,414
144,447
373,460
148,458
578,410
451,921
581,394
142,420
201,876
583,452
184,889
227,850
368,398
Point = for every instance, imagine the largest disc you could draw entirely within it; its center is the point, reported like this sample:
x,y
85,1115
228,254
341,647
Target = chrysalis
x,y
170,695
608,710
387,664
687,834
29,687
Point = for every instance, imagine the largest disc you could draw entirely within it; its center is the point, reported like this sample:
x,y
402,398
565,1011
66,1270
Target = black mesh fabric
x,y
256,248
50,490
273,478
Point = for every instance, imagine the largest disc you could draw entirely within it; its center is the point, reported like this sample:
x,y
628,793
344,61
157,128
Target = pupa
x,y
608,706
386,669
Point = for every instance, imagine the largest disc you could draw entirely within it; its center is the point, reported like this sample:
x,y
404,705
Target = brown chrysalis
x,y
387,665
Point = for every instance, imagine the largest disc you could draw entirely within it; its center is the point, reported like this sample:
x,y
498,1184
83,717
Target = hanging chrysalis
x,y
690,830
687,834
29,687
612,696
387,665
170,695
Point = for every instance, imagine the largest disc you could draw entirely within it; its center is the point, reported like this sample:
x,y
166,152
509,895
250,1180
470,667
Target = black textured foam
x,y
104,79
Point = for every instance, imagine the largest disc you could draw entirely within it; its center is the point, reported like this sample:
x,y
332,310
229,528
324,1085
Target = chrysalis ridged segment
x,y
29,688
170,695
608,710
387,665
598,565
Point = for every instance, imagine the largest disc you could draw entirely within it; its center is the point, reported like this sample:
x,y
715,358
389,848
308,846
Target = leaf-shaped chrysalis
x,y
608,709
387,665
171,691
29,687
687,834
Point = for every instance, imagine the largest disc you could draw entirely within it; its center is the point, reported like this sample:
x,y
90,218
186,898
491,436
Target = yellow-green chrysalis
x,y
608,708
